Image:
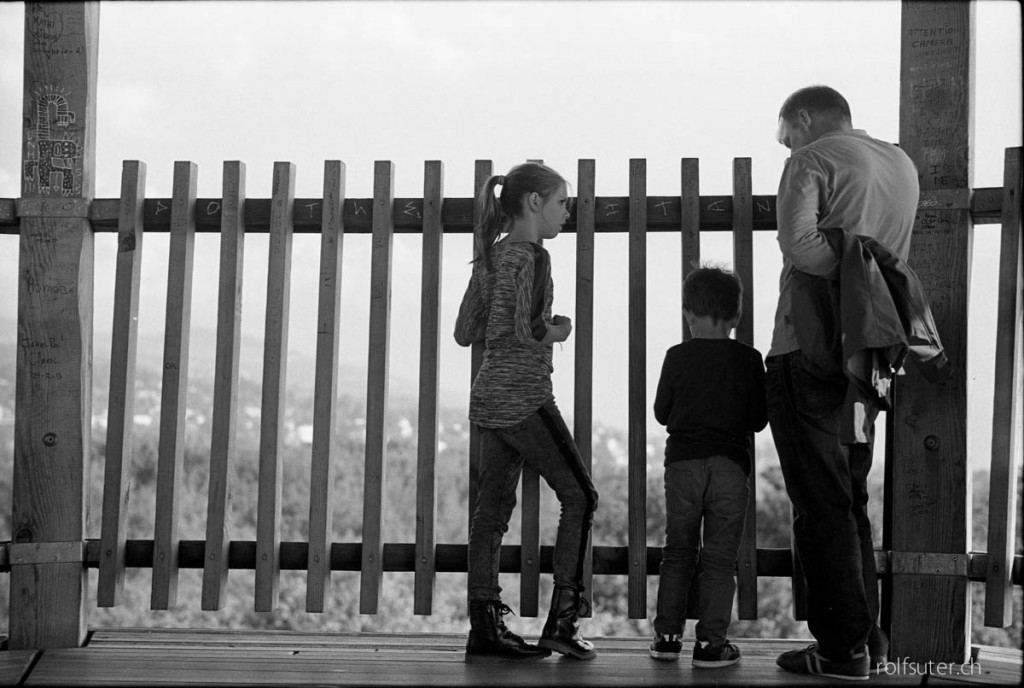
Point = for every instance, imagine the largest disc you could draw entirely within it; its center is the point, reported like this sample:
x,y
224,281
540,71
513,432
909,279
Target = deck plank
x,y
13,665
224,657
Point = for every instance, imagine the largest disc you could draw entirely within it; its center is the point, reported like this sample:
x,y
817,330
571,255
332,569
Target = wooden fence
x,y
333,215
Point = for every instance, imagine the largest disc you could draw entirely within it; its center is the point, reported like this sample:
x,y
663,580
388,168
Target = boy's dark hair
x,y
712,292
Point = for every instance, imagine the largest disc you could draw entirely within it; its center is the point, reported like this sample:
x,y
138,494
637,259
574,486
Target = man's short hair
x,y
822,100
712,291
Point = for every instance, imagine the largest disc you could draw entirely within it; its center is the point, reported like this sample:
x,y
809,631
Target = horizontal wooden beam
x,y
44,552
611,213
451,558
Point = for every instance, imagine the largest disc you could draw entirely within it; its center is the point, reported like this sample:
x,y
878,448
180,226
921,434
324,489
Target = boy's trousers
x,y
713,491
542,441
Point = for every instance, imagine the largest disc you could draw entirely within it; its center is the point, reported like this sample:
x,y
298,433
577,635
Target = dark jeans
x,y
713,490
827,483
543,441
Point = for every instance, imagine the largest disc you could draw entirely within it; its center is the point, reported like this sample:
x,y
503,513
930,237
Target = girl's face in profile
x,y
554,213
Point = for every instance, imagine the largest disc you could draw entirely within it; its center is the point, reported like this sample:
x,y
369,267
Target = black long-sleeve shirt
x,y
711,396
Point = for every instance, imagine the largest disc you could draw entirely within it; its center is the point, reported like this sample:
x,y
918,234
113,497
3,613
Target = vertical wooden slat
x,y
583,332
325,392
430,342
121,399
529,509
481,171
689,218
743,244
885,609
637,393
377,387
275,357
798,582
171,448
529,552
53,397
743,265
931,473
225,385
1006,404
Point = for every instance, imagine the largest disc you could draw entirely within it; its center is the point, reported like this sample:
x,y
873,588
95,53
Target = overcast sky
x,y
505,81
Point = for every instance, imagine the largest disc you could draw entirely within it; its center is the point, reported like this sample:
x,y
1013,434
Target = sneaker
x,y
808,661
666,647
708,656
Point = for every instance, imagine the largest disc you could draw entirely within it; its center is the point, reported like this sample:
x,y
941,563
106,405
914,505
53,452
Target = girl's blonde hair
x,y
497,211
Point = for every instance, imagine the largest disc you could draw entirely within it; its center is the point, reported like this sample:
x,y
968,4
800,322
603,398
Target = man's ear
x,y
804,118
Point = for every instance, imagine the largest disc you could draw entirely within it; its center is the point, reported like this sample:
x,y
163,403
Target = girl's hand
x,y
559,329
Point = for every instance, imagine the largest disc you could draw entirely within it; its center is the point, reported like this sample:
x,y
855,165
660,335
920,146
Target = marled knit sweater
x,y
500,306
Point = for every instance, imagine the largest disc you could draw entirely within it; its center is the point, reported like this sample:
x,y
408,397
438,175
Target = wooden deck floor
x,y
207,657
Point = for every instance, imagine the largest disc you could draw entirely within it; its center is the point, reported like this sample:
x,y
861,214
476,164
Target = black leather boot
x,y
489,639
562,630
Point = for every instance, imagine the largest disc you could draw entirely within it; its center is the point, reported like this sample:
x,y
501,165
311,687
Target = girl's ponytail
x,y
492,219
496,212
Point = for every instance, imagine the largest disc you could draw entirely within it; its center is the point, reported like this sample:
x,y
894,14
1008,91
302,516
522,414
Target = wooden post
x,y
325,394
637,394
929,611
529,538
53,412
481,172
583,334
1002,489
174,386
375,471
275,360
743,266
689,260
120,400
689,226
225,386
430,345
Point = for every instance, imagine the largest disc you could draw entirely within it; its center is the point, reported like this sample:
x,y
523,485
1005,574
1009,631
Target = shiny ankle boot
x,y
491,641
562,630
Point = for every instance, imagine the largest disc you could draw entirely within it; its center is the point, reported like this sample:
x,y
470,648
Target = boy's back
x,y
710,396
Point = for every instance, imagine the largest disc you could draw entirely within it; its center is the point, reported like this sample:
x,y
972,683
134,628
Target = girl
x,y
507,305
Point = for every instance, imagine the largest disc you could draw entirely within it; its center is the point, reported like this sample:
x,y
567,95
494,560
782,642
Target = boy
x,y
711,396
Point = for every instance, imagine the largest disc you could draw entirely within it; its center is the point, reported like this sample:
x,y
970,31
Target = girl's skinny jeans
x,y
543,442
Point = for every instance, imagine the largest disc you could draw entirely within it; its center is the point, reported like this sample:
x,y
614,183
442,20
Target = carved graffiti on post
x,y
936,96
930,261
53,153
48,30
934,40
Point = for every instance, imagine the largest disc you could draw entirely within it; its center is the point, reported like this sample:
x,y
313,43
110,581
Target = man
x,y
837,177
